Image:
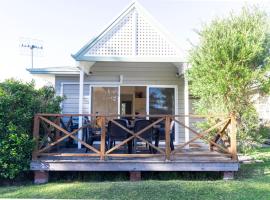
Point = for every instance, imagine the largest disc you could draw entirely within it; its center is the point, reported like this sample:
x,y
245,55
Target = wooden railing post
x,y
167,137
233,146
57,132
103,139
36,136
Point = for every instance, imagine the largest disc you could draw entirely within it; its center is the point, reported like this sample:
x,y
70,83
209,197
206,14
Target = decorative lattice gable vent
x,y
118,41
150,42
133,34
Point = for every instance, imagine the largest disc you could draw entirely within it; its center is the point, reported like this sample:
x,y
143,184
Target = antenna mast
x,y
32,45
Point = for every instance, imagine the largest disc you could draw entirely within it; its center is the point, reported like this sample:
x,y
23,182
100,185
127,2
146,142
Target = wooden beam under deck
x,y
133,165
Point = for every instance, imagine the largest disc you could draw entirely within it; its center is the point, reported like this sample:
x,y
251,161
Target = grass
x,y
252,182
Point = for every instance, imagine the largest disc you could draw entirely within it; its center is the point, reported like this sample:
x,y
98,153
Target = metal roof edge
x,y
60,70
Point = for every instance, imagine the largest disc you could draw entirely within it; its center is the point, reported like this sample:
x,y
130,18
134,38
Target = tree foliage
x,y
19,102
231,59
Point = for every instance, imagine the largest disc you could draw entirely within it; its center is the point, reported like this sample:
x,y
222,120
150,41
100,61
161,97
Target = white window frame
x,y
163,86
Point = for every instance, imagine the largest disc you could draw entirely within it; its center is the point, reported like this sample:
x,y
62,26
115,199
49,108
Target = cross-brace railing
x,y
56,130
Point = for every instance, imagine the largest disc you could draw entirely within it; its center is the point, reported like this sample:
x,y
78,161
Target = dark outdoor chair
x,y
69,124
116,133
160,134
94,135
140,124
127,118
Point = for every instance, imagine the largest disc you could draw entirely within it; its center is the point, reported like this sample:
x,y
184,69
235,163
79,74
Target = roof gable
x,y
133,36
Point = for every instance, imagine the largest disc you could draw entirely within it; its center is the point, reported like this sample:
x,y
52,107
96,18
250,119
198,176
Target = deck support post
x,y
135,176
36,136
167,138
80,106
228,175
41,177
103,139
57,134
233,147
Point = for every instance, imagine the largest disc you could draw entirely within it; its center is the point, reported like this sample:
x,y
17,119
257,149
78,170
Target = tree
x,y
19,102
232,58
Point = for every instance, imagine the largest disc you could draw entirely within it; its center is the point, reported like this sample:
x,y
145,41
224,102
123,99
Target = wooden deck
x,y
54,157
188,160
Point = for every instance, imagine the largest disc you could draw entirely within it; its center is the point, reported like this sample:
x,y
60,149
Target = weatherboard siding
x,y
71,102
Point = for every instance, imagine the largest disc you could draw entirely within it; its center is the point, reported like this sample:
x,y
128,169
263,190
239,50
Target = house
x,y
132,59
262,106
134,67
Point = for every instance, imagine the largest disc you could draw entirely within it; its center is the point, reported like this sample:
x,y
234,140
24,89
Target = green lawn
x,y
252,182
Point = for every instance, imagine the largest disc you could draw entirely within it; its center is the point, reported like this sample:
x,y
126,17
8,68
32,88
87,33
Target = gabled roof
x,y
134,36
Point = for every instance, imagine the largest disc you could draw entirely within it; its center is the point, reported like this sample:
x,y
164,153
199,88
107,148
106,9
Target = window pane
x,y
161,101
105,100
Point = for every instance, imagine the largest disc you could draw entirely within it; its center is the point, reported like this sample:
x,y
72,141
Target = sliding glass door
x,y
161,100
157,100
105,99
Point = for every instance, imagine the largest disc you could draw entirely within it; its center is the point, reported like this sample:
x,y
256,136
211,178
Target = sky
x,y
64,26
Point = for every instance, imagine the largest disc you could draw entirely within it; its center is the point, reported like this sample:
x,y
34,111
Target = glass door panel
x,y
161,100
104,100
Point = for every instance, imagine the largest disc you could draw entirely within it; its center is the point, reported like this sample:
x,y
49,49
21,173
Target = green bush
x,y
15,149
232,58
19,102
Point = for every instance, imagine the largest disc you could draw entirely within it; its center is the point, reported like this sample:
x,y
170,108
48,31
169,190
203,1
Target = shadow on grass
x,y
124,176
252,183
182,175
143,190
24,178
88,176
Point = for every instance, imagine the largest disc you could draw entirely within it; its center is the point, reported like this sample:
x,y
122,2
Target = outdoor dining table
x,y
132,144
134,140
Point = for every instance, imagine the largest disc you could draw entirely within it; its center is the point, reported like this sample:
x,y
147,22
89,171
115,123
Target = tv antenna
x,y
31,47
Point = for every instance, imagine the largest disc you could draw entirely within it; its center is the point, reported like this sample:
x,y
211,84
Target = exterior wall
x,y
44,79
262,105
71,102
132,73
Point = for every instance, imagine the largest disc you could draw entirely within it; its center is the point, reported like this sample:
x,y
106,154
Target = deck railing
x,y
51,129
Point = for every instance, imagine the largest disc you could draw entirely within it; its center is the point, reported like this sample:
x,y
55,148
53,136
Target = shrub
x,y
19,102
231,58
15,152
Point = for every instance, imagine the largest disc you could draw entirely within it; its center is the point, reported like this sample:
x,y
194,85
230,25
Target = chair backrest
x,y
162,131
128,119
115,132
161,124
140,124
74,123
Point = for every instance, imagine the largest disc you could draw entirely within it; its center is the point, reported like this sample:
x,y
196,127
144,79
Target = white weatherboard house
x,y
133,66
